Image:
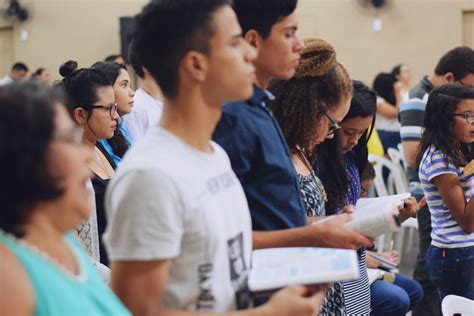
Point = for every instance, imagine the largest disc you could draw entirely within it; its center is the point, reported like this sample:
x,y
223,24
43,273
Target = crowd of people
x,y
241,136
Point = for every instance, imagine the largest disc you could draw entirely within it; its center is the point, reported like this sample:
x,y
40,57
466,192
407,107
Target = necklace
x,y
317,182
80,277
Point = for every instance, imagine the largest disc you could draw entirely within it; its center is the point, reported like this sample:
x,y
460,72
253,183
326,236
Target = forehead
x,y
123,75
466,106
290,21
105,95
357,122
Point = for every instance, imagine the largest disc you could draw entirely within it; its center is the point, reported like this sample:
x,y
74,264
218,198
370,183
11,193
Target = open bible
x,y
275,268
376,216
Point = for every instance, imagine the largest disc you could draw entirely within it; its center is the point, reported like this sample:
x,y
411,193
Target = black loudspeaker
x,y
126,31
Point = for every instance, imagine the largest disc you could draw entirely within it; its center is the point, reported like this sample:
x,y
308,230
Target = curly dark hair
x,y
439,123
328,160
301,101
27,112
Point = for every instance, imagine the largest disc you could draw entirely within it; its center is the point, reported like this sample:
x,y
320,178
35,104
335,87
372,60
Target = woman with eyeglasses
x,y
93,108
118,75
43,268
446,170
341,162
308,108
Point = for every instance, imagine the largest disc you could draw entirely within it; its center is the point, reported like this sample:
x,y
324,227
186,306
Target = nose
x,y
115,116
299,45
132,93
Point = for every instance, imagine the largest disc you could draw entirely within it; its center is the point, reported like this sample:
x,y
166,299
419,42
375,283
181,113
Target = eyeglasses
x,y
469,117
464,84
111,108
334,126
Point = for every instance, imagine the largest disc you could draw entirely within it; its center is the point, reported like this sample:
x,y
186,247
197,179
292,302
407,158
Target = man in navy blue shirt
x,y
256,146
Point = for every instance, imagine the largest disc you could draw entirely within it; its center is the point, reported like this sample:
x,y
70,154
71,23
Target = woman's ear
x,y
80,116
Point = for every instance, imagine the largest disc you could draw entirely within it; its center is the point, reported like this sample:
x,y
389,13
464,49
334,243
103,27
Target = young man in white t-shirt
x,y
148,105
179,233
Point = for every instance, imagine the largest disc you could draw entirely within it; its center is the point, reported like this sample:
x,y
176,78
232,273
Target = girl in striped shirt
x,y
446,150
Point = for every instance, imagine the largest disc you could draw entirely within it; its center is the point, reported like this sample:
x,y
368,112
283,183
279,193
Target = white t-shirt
x,y
171,201
146,112
383,123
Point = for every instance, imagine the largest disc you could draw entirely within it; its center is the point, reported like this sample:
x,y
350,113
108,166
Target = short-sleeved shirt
x,y
170,201
259,155
446,232
411,114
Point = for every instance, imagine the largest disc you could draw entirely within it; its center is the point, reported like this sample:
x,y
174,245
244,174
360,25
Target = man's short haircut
x,y
166,30
135,61
261,15
459,61
19,67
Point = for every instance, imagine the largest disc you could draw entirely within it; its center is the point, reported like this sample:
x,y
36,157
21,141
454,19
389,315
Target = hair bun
x,y
68,68
317,58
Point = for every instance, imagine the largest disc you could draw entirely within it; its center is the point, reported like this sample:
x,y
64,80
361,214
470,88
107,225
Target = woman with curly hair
x,y
308,108
447,176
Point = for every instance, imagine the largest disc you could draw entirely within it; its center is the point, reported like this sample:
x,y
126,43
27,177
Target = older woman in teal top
x,y
44,270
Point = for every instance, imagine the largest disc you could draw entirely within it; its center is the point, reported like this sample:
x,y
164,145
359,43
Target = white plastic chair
x,y
396,175
453,304
399,162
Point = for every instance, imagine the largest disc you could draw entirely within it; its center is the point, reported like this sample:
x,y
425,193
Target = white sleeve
x,y
145,217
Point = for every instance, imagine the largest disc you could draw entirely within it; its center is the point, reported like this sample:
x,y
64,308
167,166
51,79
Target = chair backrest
x,y
397,159
395,178
453,304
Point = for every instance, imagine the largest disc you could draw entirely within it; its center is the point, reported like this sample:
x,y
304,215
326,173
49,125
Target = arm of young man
x,y
330,232
140,285
453,197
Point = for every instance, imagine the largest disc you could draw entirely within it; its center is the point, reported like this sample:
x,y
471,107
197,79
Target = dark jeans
x,y
429,305
395,299
452,270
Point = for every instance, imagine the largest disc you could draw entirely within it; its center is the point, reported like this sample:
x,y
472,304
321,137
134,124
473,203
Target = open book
x,y
275,268
375,216
385,264
374,275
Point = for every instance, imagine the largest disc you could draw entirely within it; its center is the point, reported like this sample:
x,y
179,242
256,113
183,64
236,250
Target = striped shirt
x,y
446,233
412,112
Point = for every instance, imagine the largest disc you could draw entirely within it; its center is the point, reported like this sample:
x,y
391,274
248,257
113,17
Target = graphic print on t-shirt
x,y
239,272
206,299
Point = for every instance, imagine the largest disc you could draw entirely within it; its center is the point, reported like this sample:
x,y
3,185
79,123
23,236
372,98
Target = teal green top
x,y
57,293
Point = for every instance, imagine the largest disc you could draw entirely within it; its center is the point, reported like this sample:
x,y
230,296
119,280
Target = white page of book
x,y
374,216
275,268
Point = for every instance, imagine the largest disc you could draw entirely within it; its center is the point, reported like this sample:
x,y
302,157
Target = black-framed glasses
x,y
111,108
469,117
334,126
465,84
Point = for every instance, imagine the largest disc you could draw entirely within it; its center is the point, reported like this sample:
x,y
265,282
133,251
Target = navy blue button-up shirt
x,y
261,160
